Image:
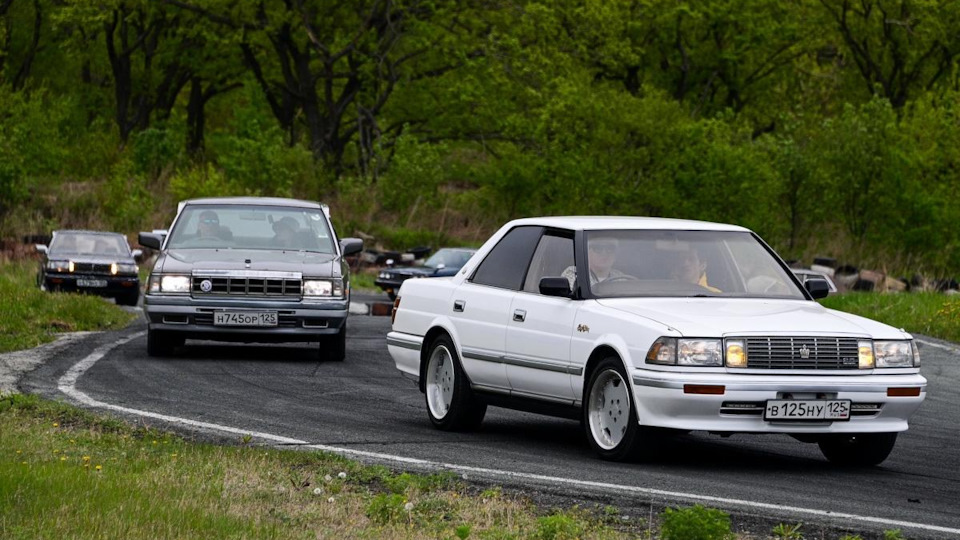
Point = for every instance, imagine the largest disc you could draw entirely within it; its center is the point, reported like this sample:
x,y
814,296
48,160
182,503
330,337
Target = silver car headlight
x,y
169,284
385,275
327,288
123,268
686,352
894,354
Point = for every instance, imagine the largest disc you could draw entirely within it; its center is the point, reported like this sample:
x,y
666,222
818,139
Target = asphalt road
x,y
363,404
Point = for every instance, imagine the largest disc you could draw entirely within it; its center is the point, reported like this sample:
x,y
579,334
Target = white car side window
x,y
553,256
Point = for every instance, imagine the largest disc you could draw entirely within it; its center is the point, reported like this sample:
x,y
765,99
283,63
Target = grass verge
x,y
930,314
65,473
30,317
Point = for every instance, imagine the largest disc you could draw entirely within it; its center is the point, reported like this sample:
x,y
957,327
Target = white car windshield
x,y
251,227
627,263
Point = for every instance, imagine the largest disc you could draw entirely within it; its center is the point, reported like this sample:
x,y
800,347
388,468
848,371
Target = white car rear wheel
x,y
451,404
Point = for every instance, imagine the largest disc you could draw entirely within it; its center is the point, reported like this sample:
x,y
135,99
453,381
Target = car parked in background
x,y
445,262
638,326
806,274
94,262
249,269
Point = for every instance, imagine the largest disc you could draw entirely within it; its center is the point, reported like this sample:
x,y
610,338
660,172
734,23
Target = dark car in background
x,y
94,262
249,269
445,262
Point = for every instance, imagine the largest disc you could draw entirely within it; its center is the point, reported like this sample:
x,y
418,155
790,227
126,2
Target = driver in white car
x,y
602,254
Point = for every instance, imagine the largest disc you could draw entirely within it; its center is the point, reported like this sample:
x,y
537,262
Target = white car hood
x,y
709,317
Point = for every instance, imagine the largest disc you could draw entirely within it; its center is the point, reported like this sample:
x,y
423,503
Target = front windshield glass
x,y
449,258
684,263
90,244
251,227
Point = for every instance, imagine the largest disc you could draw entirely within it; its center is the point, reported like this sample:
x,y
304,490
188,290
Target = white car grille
x,y
802,352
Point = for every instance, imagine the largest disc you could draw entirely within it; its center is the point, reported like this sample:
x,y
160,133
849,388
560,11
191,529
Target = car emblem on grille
x,y
206,285
804,352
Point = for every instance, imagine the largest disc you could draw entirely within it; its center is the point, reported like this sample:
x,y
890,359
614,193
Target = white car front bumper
x,y
670,400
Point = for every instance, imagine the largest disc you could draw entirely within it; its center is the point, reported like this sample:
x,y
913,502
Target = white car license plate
x,y
91,283
800,409
245,318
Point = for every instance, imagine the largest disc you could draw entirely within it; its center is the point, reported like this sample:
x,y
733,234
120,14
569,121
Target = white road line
x,y
67,385
938,346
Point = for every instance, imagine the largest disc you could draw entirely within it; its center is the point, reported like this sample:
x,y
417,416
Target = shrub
x,y
387,508
558,527
695,523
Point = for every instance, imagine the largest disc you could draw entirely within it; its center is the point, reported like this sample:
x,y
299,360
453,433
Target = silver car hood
x,y
308,263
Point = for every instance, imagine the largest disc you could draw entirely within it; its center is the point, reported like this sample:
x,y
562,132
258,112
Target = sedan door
x,y
540,329
480,308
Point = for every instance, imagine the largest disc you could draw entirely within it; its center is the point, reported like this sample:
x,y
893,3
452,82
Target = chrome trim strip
x,y
494,389
404,344
543,397
247,274
475,354
779,386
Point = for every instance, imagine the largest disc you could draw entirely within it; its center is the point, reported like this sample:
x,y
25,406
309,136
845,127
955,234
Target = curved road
x,y
365,406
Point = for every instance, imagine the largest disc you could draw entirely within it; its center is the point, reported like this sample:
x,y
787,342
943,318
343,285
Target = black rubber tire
x,y
857,449
128,299
465,412
637,442
334,348
160,343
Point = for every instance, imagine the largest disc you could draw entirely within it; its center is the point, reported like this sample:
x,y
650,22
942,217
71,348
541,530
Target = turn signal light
x,y
709,389
903,392
396,306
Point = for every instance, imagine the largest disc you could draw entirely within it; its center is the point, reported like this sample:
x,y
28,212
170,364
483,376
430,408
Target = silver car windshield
x,y
89,244
626,263
251,227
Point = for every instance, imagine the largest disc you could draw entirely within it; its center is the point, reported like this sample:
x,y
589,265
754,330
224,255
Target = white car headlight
x,y
699,352
685,352
323,287
173,284
893,354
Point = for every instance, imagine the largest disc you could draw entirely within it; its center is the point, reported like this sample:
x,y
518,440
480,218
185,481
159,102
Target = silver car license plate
x,y
245,318
807,409
91,283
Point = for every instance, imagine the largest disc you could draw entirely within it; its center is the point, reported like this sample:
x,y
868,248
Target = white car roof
x,y
588,223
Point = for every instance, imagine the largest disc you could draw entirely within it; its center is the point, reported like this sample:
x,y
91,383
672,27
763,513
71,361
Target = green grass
x,y
65,473
930,314
30,317
362,281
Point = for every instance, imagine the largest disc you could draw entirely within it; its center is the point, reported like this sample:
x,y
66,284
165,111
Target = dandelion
x,y
342,475
86,458
63,458
56,424
173,455
19,452
55,451
330,500
408,507
73,441
155,442
318,491
24,463
99,467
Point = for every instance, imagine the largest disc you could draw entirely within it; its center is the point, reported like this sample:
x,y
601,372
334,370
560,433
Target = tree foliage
x,y
828,126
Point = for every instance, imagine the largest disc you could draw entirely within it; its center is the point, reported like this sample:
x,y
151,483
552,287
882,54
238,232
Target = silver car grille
x,y
802,352
246,286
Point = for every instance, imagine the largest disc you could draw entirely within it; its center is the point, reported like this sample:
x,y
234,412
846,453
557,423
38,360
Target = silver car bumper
x,y
194,318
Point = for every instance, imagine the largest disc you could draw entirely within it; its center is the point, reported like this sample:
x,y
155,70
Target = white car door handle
x,y
458,305
519,315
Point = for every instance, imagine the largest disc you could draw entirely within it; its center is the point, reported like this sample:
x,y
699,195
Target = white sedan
x,y
633,325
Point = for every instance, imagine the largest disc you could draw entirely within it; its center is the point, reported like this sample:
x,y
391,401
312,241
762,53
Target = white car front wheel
x,y
609,417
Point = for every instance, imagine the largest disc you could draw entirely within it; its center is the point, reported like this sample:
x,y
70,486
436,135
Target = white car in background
x,y
637,324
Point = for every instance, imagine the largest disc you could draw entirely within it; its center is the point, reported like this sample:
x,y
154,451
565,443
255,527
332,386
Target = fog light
x,y
865,354
736,354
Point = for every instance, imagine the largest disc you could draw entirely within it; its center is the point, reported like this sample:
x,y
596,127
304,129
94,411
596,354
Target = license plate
x,y
245,318
799,409
91,283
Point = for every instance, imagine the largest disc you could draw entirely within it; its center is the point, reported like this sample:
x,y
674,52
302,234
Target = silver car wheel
x,y
609,409
440,381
